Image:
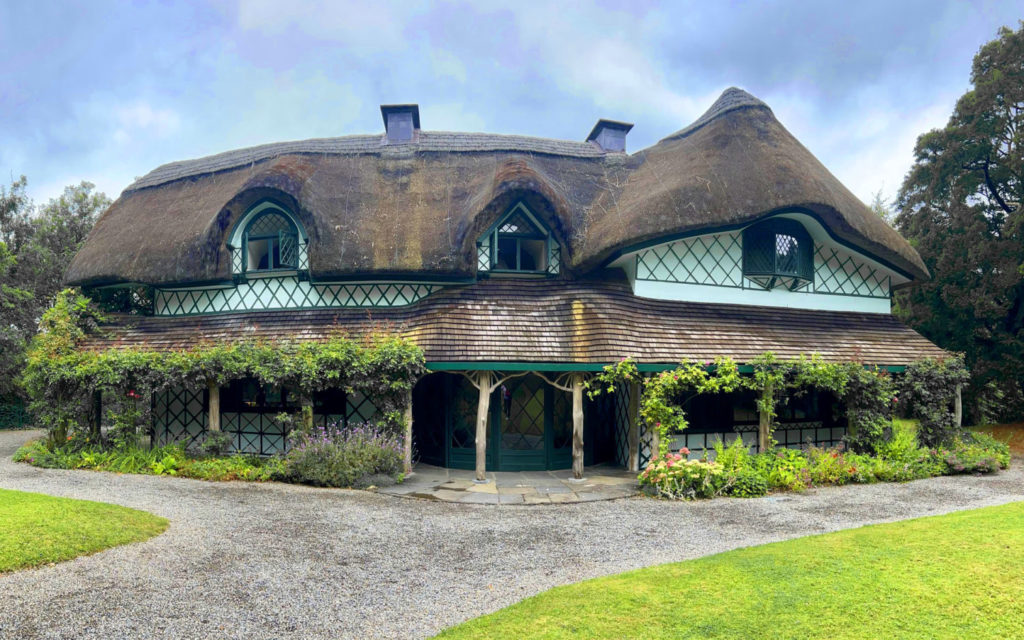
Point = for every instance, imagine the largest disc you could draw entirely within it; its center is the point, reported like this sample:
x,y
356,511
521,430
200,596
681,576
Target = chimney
x,y
610,135
401,122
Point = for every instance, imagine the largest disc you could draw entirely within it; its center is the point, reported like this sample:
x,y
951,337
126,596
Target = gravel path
x,y
280,561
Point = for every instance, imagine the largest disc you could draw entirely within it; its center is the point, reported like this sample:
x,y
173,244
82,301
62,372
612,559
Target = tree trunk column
x,y
213,419
764,427
482,413
958,406
407,454
577,426
633,463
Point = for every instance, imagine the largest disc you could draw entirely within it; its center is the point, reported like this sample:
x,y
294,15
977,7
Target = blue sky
x,y
106,91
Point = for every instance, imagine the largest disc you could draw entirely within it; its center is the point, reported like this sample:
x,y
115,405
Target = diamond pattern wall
x,y
179,415
715,259
260,294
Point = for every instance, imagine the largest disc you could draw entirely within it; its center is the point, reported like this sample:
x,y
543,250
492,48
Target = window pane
x,y
532,255
259,254
506,253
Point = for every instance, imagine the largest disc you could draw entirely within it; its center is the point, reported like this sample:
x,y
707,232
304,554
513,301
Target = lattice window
x,y
523,416
483,256
518,243
554,258
709,260
179,415
359,408
254,433
622,425
271,242
778,253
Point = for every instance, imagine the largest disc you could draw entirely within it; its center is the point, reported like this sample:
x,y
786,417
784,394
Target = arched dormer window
x,y
268,239
778,253
518,243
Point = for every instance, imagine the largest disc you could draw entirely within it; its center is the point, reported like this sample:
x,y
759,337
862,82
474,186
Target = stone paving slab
x,y
515,487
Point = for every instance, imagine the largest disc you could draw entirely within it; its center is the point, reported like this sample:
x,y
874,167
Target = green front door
x,y
531,428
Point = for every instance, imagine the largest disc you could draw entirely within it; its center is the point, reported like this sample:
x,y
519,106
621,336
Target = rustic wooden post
x,y
407,453
483,408
213,418
958,406
633,463
577,426
764,426
97,416
306,412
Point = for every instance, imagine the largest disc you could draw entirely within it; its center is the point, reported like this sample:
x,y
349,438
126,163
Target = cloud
x,y
140,119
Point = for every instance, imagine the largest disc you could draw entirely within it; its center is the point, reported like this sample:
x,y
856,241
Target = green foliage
x,y
736,472
36,247
60,379
171,460
960,206
216,443
353,457
929,387
870,397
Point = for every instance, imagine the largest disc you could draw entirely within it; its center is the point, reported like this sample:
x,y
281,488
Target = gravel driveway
x,y
273,560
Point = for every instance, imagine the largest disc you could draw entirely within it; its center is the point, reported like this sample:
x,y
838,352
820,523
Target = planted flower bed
x,y
328,456
738,473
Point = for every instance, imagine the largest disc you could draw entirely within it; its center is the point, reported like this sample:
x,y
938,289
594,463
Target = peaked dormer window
x,y
518,243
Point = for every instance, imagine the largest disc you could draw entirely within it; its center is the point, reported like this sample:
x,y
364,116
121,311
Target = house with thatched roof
x,y
518,265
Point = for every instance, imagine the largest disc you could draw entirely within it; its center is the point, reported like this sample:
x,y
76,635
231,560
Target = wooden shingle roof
x,y
557,321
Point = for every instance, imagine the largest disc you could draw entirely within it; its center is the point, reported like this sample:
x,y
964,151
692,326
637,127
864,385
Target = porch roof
x,y
555,321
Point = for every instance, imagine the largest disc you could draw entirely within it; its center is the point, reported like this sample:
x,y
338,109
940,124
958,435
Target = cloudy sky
x,y
105,92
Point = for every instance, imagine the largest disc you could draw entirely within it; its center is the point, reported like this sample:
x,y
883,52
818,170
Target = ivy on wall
x,y
871,394
61,379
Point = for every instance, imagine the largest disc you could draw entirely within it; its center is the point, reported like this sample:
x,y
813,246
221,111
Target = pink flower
x,y
684,451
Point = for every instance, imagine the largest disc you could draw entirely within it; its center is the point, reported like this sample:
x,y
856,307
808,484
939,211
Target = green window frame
x,y
778,253
275,228
517,244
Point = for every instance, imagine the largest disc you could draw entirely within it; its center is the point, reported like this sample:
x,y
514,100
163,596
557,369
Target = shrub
x,y
928,388
828,466
672,476
215,444
336,457
902,446
734,457
784,469
747,483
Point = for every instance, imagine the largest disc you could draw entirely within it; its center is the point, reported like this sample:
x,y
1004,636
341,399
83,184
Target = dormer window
x,y
271,242
778,253
267,239
518,243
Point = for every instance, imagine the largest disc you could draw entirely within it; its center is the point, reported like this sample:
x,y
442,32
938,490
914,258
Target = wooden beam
x,y
306,412
97,416
213,419
407,453
577,426
633,463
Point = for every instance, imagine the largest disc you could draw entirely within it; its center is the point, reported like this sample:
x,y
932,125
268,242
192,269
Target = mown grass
x,y
36,529
954,576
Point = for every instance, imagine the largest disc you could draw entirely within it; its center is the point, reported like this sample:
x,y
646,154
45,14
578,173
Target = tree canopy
x,y
960,206
36,246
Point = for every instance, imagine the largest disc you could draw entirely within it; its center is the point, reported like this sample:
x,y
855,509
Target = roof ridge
x,y
428,141
731,99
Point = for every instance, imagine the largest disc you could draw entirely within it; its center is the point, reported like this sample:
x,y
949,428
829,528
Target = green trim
x,y
639,246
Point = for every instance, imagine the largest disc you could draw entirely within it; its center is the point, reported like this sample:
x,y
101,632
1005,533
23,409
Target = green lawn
x,y
954,576
37,529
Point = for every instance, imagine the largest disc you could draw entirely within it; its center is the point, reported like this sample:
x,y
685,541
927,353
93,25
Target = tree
x,y
37,247
960,206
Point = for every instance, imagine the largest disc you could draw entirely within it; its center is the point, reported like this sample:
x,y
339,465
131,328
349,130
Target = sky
x,y
107,91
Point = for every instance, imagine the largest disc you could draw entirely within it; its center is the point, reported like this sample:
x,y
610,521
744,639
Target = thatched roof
x,y
588,321
416,209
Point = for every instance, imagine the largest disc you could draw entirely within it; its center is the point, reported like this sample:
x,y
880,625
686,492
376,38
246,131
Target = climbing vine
x,y
869,393
60,378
